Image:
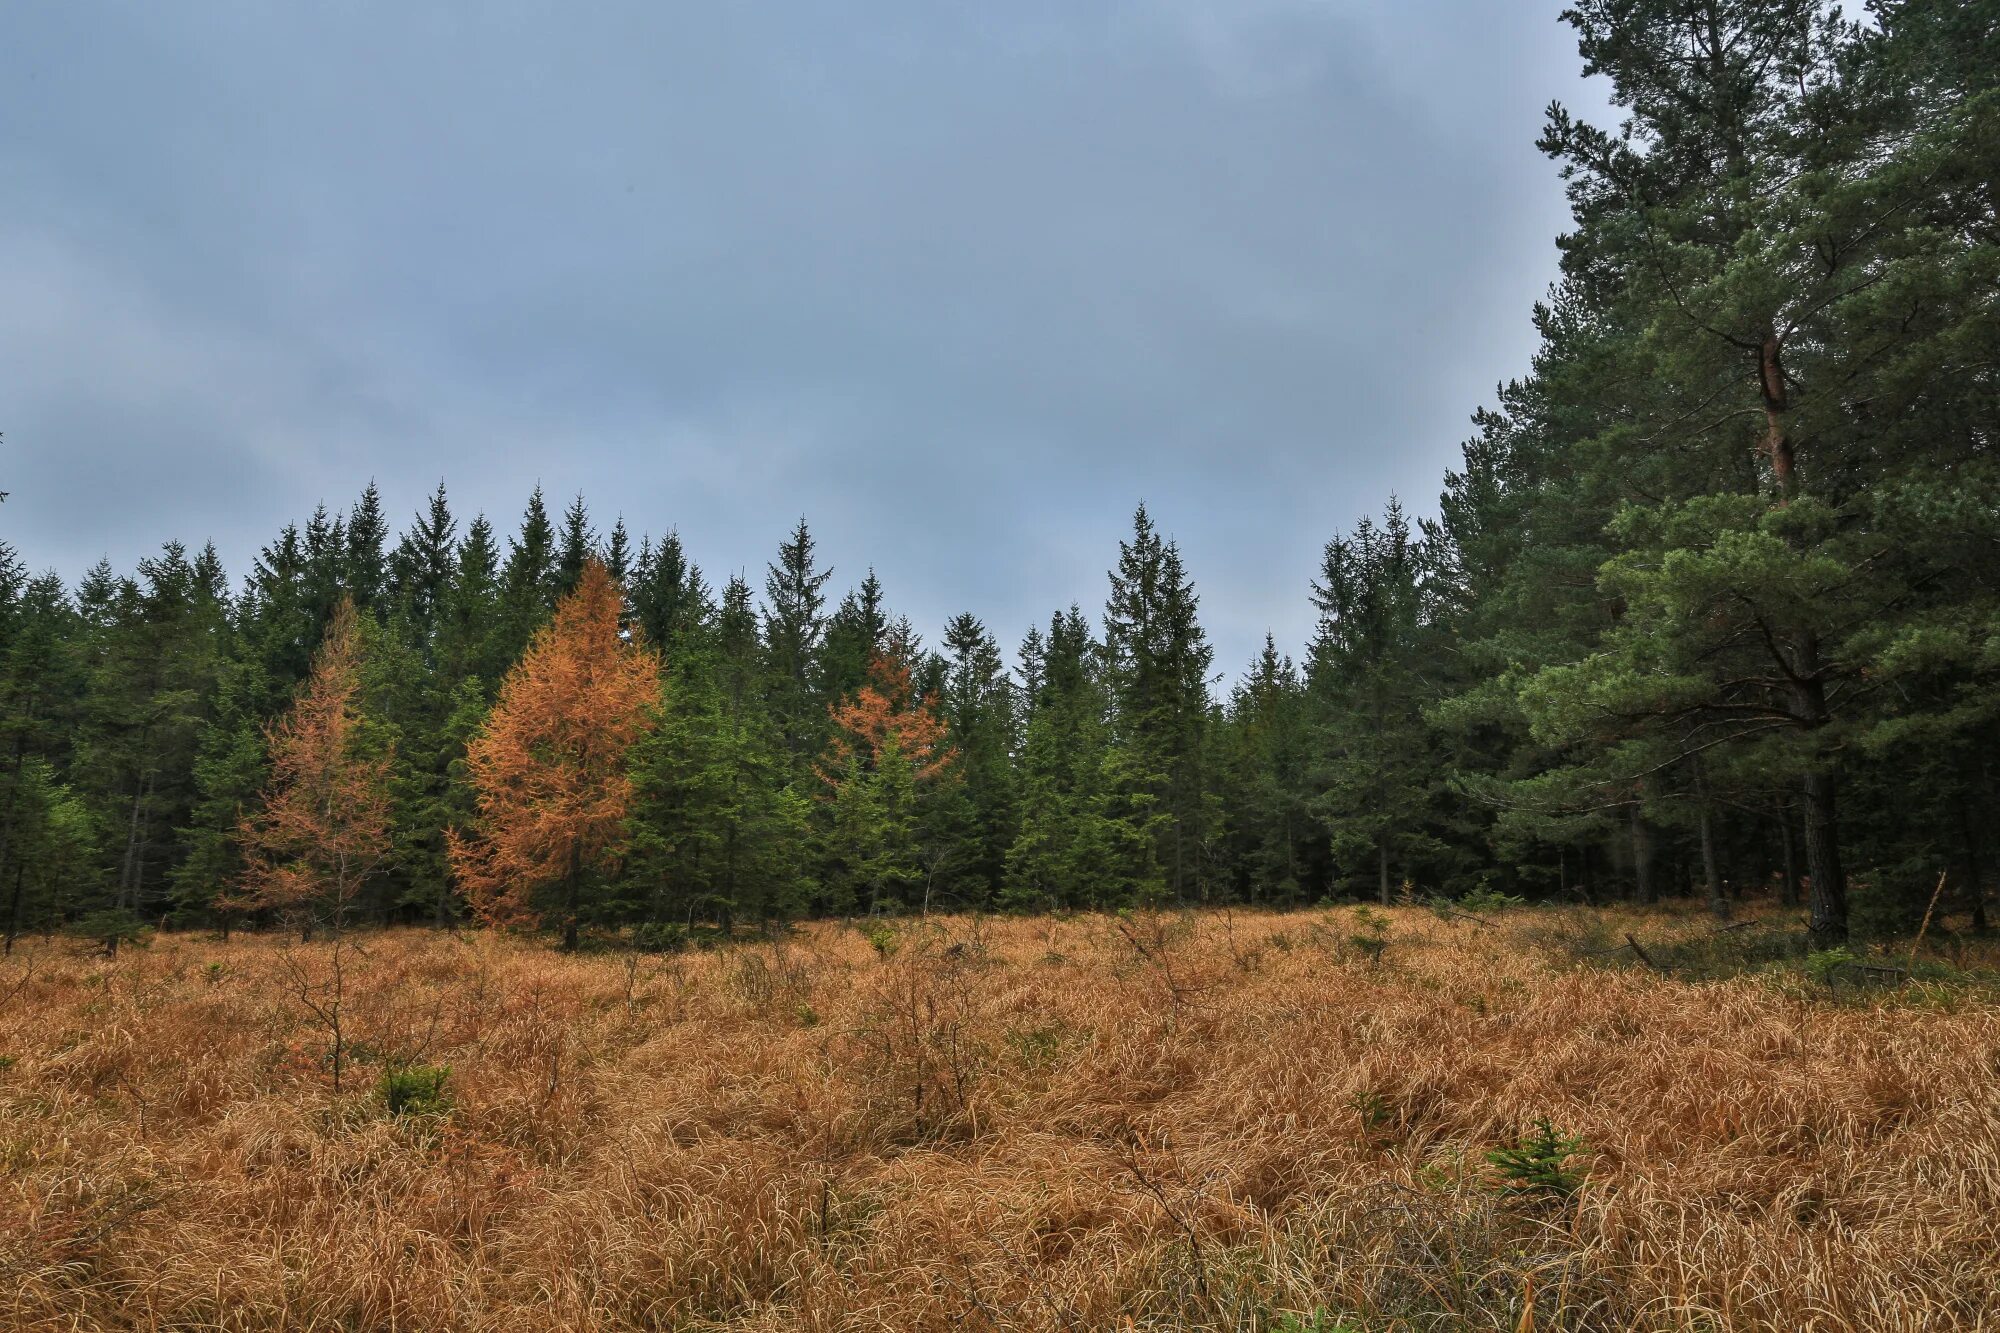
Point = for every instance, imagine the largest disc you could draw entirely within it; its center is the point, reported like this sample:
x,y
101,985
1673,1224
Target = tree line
x,y
1709,606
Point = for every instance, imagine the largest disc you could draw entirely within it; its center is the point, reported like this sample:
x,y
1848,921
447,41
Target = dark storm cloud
x,y
961,283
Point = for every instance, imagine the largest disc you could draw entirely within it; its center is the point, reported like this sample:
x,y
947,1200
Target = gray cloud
x,y
961,283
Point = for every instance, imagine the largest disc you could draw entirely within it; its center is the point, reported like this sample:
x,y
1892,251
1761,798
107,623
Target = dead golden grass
x,y
1157,1123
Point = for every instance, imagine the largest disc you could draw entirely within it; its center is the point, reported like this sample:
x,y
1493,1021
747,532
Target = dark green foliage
x,y
229,771
415,1090
529,583
1538,1166
668,597
577,544
660,936
1373,771
111,927
1370,938
1710,606
976,817
1156,661
53,851
856,631
719,831
794,627
365,575
1270,840
1087,833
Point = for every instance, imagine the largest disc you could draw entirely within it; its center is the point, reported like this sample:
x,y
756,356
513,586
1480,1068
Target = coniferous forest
x,y
1711,607
463,921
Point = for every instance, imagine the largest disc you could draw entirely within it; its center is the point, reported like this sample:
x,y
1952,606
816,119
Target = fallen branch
x,y
1644,957
1925,927
1864,973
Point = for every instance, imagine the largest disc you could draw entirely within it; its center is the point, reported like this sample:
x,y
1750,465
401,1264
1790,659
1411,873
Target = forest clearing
x,y
795,667
1224,1120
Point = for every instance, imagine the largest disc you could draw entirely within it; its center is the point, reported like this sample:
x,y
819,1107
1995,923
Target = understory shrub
x,y
415,1090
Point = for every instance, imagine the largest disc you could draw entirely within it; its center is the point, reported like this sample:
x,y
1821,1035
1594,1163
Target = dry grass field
x,y
1231,1121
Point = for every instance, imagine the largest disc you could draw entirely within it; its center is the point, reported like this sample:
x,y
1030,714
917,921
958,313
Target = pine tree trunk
x,y
127,876
1776,446
1382,867
14,909
1292,876
1704,820
1718,903
7,842
1642,858
1826,903
1975,868
1788,892
1180,876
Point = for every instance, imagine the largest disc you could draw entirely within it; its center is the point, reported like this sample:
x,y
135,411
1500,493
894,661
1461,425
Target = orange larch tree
x,y
888,748
324,826
549,768
886,711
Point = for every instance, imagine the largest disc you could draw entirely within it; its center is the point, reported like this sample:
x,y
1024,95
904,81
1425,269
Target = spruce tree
x,y
473,638
1372,774
856,632
670,599
1157,662
576,547
982,718
366,573
717,829
1088,833
1262,779
794,632
423,568
528,584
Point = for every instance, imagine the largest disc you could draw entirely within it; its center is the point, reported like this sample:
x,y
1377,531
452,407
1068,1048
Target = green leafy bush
x,y
415,1090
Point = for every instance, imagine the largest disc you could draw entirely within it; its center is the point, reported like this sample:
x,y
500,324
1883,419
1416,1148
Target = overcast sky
x,y
960,283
